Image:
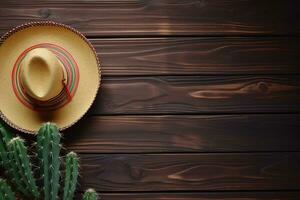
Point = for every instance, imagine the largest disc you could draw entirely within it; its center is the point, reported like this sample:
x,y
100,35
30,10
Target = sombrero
x,y
48,72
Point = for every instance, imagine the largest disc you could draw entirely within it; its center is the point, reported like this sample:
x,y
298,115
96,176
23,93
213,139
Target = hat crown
x,y
42,74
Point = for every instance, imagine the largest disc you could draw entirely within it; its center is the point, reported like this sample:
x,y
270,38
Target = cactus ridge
x,y
21,158
48,147
5,191
90,194
71,175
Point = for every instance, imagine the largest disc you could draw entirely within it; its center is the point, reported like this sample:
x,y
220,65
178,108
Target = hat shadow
x,y
46,116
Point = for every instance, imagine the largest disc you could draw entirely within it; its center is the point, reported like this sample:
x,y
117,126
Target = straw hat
x,y
49,72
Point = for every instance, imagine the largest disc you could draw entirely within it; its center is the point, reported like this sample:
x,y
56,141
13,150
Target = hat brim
x,y
15,42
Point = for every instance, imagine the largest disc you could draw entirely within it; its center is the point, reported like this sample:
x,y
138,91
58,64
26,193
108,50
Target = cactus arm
x,y
16,163
3,154
21,159
27,168
17,168
55,173
71,176
9,164
48,146
42,149
5,137
5,134
15,175
90,194
6,158
5,191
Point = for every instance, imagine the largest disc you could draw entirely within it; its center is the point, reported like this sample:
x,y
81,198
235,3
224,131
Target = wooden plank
x,y
202,196
219,133
198,94
191,172
198,55
159,17
190,56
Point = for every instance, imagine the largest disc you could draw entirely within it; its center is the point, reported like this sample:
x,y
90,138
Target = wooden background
x,y
200,99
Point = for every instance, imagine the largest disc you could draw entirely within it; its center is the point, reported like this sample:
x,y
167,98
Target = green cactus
x,y
3,154
16,162
5,134
8,164
90,194
5,191
21,159
48,150
2,150
5,137
71,175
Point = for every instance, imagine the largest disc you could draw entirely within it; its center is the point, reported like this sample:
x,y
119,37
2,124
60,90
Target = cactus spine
x,y
90,194
48,148
20,157
5,191
71,175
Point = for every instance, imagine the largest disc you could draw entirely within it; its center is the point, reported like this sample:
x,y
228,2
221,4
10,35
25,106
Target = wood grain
x,y
191,172
159,17
198,55
197,102
202,196
198,94
211,133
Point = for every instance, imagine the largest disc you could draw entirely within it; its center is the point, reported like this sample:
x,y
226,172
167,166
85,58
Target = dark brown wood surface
x,y
198,94
198,55
191,172
199,98
185,133
159,17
